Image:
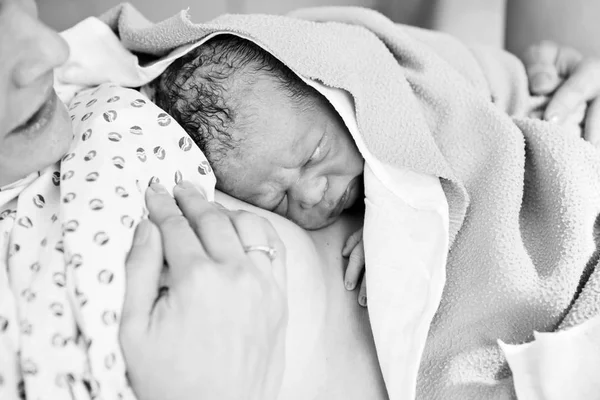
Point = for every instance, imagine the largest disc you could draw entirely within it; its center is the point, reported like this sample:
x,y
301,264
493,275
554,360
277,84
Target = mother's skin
x,y
330,352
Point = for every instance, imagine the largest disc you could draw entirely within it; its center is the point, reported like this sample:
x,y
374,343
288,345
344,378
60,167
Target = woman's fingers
x,y
143,268
362,294
573,81
592,123
541,68
257,231
221,320
182,249
356,265
567,60
210,223
581,86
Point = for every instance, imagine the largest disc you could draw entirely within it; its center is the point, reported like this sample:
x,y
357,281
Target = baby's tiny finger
x,y
351,243
362,293
353,272
345,250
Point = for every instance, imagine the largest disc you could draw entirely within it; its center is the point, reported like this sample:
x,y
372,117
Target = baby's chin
x,y
316,223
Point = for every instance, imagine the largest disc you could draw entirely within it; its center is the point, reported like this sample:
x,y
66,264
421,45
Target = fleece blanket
x,y
523,196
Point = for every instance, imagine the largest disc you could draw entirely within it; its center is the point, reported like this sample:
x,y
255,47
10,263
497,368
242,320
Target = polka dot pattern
x,y
64,238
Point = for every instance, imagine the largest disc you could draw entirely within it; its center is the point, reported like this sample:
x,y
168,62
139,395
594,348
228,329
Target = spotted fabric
x,y
64,236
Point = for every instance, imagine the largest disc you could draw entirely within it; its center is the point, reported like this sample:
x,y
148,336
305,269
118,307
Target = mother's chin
x,y
37,143
330,353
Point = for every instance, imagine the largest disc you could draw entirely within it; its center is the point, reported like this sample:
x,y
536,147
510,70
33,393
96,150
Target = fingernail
x,y
553,118
142,233
158,188
541,80
363,301
349,285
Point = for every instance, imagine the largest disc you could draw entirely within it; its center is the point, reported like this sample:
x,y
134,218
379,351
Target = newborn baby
x,y
272,140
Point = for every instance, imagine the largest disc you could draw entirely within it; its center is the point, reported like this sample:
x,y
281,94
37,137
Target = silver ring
x,y
268,250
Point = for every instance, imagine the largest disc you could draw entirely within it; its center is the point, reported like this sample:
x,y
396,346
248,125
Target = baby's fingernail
x,y
349,285
158,188
363,301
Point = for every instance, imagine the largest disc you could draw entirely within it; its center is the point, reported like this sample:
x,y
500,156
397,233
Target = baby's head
x,y
272,140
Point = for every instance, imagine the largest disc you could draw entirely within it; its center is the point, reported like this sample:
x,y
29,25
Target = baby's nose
x,y
311,191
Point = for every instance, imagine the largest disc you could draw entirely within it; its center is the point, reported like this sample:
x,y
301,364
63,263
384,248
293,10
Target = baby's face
x,y
301,164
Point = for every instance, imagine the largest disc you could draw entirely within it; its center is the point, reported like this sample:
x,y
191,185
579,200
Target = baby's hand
x,y
355,250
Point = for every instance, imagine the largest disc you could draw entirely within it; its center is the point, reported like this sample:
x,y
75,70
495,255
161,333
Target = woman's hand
x,y
572,81
217,331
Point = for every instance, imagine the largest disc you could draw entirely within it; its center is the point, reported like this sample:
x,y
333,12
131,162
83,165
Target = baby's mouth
x,y
346,199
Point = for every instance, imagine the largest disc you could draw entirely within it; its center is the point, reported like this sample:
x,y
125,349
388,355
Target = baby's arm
x,y
355,251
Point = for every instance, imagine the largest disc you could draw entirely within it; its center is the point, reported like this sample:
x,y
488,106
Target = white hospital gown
x,y
64,237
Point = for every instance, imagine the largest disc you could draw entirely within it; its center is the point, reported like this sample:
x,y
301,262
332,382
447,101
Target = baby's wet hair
x,y
197,90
